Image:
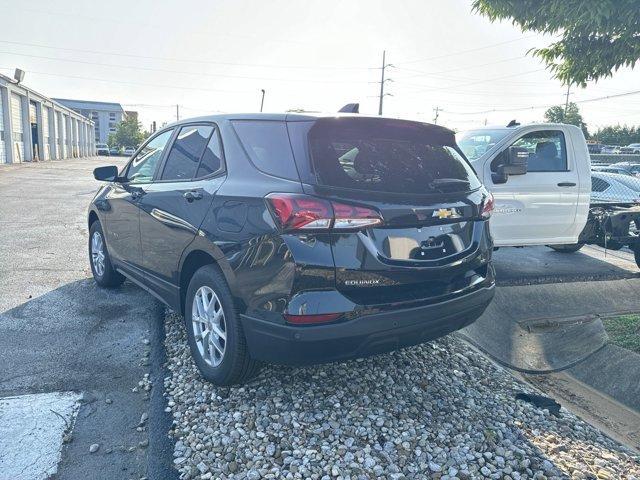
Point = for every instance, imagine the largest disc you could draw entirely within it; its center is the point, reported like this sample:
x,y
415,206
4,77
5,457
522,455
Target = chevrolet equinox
x,y
298,239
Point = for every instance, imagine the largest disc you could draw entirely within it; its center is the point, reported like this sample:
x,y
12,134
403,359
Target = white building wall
x,y
3,135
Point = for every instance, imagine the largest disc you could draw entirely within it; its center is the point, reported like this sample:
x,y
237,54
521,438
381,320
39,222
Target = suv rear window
x,y
384,155
267,144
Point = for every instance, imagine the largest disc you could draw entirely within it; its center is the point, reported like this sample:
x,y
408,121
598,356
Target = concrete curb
x,y
550,327
160,460
539,329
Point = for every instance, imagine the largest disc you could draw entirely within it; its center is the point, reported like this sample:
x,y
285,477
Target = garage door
x,y
56,135
63,135
46,133
18,127
3,154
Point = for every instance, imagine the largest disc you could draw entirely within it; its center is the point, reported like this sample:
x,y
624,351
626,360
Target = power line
x,y
184,60
199,74
111,80
536,107
478,81
461,52
422,73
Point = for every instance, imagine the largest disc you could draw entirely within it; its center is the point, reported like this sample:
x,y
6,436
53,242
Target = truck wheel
x,y
214,330
567,248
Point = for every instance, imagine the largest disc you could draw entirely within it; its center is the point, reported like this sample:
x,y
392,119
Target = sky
x,y
211,56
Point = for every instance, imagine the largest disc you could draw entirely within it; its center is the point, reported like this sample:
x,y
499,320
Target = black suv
x,y
297,238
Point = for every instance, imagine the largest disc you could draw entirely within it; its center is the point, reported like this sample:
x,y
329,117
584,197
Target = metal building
x,y
35,127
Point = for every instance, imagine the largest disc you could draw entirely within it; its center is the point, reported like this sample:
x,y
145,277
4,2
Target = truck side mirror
x,y
514,163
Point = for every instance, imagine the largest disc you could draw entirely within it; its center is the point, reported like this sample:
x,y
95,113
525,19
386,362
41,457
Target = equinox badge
x,y
443,213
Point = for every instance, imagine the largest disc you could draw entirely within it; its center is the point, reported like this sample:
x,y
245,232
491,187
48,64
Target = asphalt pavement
x,y
59,332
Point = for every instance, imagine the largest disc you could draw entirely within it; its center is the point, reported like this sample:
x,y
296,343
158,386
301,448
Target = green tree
x,y
573,117
597,37
128,134
618,135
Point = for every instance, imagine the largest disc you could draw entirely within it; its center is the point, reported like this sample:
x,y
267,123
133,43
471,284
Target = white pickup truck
x,y
540,176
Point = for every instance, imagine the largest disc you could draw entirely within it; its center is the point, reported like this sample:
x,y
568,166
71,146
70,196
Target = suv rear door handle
x,y
192,195
566,184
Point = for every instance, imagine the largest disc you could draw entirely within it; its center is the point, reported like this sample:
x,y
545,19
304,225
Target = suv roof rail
x,y
350,108
513,123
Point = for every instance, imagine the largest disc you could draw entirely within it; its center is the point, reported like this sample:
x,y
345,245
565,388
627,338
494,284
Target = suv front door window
x,y
143,166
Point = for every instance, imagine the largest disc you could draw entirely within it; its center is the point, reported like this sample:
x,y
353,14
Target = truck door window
x,y
547,150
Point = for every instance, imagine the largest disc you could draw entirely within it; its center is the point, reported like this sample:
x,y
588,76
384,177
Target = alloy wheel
x,y
209,327
97,253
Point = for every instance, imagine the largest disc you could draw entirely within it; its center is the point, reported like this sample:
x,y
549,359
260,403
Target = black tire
x,y
109,277
567,248
236,364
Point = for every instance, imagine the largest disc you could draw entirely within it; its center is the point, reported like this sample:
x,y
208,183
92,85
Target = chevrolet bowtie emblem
x,y
443,213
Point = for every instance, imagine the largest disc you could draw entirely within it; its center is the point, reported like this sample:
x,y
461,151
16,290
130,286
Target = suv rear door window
x,y
267,144
388,156
184,156
212,158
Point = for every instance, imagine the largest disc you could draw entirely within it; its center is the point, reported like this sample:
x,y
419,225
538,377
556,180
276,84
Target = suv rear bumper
x,y
365,335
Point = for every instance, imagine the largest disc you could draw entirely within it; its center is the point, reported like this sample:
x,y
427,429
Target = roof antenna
x,y
513,123
350,108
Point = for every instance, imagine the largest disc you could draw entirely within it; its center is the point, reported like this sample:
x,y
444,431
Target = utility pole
x,y
437,112
262,101
382,80
177,113
566,103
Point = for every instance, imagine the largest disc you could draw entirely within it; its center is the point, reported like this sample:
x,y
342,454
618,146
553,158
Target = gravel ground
x,y
438,410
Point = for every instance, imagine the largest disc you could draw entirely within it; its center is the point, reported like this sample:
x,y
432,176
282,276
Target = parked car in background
x,y
634,168
128,151
595,147
610,149
614,188
114,151
632,148
306,239
611,169
102,149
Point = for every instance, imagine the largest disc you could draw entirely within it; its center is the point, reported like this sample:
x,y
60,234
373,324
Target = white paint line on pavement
x,y
31,430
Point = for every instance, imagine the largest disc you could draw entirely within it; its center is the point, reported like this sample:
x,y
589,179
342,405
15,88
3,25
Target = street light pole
x,y
262,101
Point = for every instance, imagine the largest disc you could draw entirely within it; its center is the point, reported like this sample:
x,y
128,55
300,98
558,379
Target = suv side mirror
x,y
106,174
515,163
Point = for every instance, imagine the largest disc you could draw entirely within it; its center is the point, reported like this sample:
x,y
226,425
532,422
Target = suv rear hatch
x,y
428,197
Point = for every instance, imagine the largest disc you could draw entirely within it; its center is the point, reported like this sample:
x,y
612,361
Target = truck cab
x,y
540,177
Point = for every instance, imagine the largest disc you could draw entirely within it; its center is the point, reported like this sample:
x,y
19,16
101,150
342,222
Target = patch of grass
x,y
624,331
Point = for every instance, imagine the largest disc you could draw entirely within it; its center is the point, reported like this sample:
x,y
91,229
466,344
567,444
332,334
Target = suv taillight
x,y
488,206
302,212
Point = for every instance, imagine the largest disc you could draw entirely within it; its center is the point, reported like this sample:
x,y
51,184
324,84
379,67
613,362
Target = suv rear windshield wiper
x,y
438,182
